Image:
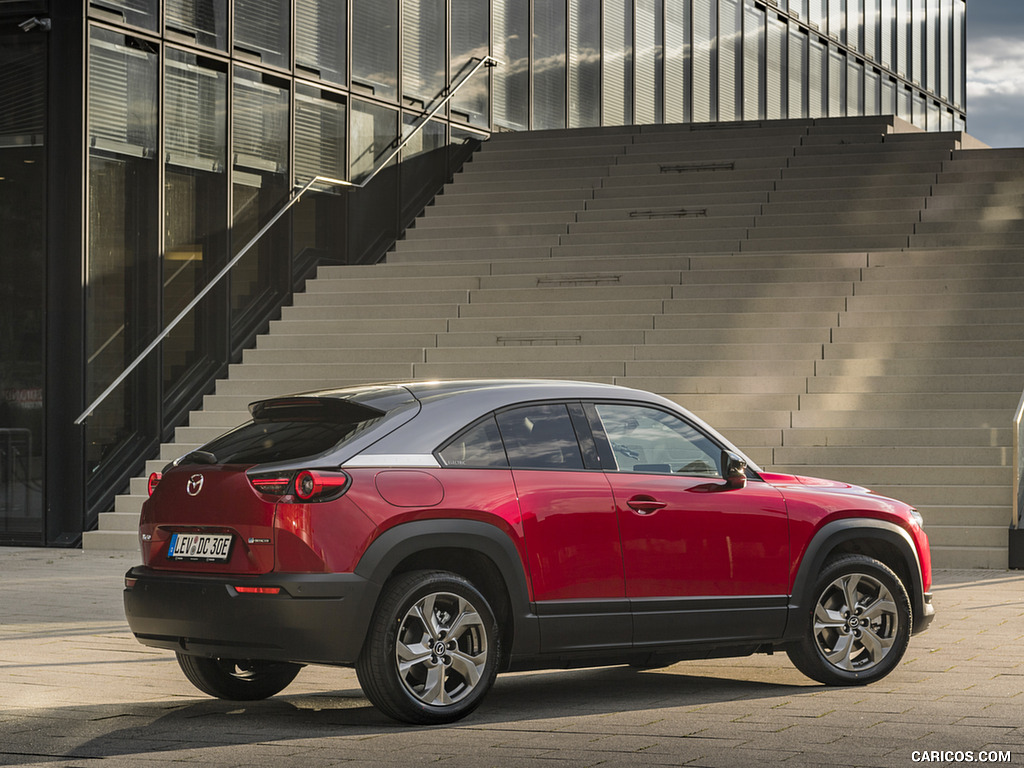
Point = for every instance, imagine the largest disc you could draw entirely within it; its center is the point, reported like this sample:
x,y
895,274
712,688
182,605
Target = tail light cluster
x,y
305,486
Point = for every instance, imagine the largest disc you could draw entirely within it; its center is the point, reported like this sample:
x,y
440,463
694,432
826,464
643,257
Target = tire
x,y
857,627
236,679
432,649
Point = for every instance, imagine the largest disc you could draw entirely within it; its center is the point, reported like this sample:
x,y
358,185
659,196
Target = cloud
x,y
995,67
995,89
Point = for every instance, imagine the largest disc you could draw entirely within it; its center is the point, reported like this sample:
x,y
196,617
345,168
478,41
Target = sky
x,y
995,71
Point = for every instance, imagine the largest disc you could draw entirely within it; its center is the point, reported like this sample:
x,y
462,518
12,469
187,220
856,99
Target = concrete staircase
x,y
840,297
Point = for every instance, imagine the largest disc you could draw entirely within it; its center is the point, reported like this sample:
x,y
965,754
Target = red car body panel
x,y
224,503
710,539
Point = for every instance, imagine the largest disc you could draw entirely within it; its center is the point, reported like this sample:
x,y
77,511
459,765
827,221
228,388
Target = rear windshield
x,y
289,429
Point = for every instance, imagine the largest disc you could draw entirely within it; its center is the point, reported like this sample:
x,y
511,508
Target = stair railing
x,y
1018,469
446,94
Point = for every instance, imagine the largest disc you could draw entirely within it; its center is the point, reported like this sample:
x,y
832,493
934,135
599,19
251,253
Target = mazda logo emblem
x,y
195,485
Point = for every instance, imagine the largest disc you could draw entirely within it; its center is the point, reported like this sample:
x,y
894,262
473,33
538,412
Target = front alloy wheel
x,y
431,652
859,625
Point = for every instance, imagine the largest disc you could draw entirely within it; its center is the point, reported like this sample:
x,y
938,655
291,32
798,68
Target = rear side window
x,y
294,429
479,446
540,437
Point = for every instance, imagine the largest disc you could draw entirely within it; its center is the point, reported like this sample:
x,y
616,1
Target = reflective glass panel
x,y
754,103
122,259
677,52
203,21
649,39
818,83
423,51
374,128
318,219
617,63
375,47
138,13
22,300
321,28
262,30
195,206
584,63
730,60
511,77
798,55
469,39
705,55
777,76
259,177
548,64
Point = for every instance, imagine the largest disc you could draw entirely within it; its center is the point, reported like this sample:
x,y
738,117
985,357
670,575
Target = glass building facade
x,y
144,142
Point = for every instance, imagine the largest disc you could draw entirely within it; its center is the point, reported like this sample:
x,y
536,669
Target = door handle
x,y
645,505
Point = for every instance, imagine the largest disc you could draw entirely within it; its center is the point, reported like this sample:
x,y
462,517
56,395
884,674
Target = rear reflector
x,y
258,590
129,582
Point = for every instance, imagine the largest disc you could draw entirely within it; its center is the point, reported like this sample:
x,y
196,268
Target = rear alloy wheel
x,y
236,679
858,627
432,650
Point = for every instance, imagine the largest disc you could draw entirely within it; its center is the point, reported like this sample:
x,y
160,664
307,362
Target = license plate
x,y
211,547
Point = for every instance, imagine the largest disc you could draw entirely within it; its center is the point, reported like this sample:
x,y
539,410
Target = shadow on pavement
x,y
514,703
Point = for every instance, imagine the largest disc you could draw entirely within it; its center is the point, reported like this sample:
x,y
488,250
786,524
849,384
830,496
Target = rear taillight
x,y
271,483
154,481
317,485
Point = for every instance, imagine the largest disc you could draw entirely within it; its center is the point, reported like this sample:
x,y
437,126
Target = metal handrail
x,y
1017,417
486,61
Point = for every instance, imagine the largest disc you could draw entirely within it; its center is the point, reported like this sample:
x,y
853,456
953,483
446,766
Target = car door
x,y
703,559
570,526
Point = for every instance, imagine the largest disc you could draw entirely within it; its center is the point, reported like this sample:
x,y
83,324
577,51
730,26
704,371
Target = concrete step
x,y
304,353
356,329
753,353
894,456
748,319
110,541
683,234
409,254
358,343
718,385
382,312
658,248
785,244
906,437
920,366
478,244
958,353
940,317
988,420
526,325
378,298
949,302
930,383
908,401
813,191
876,334
499,232
511,336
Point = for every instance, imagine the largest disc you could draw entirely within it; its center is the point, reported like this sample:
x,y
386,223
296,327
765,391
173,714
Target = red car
x,y
435,534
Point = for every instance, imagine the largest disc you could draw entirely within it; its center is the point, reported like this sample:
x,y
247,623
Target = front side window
x,y
540,437
651,441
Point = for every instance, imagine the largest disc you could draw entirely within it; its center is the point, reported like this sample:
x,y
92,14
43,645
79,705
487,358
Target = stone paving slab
x,y
77,691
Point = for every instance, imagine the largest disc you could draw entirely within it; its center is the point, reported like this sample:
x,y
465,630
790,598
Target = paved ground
x,y
77,690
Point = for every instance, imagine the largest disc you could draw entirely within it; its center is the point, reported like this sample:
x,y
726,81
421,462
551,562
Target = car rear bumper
x,y
315,618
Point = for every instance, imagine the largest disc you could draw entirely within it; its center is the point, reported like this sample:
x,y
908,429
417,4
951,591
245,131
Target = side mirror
x,y
734,468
